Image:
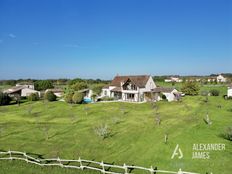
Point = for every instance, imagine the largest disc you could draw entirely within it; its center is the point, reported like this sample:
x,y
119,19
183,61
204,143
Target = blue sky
x,y
102,38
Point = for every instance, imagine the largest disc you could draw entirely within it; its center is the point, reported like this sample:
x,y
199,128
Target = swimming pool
x,y
87,100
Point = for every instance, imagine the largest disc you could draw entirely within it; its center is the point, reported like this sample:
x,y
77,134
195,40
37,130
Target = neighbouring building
x,y
173,79
229,91
25,84
171,94
21,90
87,93
57,92
139,88
220,78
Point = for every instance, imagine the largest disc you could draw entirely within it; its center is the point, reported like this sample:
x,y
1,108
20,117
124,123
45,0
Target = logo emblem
x,y
177,152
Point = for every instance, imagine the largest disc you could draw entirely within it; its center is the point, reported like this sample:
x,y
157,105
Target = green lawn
x,y
136,139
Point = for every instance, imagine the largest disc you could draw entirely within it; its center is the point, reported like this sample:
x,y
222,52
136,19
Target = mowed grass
x,y
135,138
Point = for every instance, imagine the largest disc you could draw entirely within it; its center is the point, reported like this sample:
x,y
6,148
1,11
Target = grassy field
x,y
135,137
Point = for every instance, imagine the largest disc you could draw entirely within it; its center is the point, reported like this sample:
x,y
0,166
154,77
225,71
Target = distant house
x,y
130,88
173,79
171,94
229,91
20,90
57,92
211,79
87,93
25,84
220,78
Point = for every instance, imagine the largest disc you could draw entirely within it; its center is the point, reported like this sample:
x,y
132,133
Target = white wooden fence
x,y
101,166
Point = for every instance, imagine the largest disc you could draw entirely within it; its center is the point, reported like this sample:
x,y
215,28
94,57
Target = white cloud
x,y
12,35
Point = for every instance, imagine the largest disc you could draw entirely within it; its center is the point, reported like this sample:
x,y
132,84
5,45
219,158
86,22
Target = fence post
x,y
125,167
180,172
10,155
103,167
25,156
81,166
152,170
58,159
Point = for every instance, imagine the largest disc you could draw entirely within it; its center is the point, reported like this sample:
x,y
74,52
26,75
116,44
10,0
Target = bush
x,y
68,97
227,133
106,98
214,92
4,99
77,98
50,96
190,88
33,97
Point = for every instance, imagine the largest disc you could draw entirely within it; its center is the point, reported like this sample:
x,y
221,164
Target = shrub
x,y
227,133
68,97
214,92
102,131
33,97
77,98
4,99
190,88
50,96
106,98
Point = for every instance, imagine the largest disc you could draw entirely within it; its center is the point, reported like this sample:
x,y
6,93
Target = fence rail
x,y
65,163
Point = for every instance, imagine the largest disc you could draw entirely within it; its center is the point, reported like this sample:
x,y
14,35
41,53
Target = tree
x,y
4,99
77,98
79,86
33,97
50,96
97,88
43,85
190,88
74,81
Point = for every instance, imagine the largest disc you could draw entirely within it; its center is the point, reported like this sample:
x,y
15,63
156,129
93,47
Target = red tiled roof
x,y
139,80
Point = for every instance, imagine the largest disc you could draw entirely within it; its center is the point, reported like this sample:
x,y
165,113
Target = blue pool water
x,y
87,100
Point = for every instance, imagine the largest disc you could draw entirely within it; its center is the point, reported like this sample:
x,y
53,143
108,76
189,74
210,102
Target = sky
x,y
44,39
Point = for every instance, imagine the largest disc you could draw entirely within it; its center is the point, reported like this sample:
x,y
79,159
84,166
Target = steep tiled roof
x,y
139,80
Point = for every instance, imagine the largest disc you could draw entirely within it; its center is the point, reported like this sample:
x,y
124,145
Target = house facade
x,y
229,91
21,91
130,88
221,78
